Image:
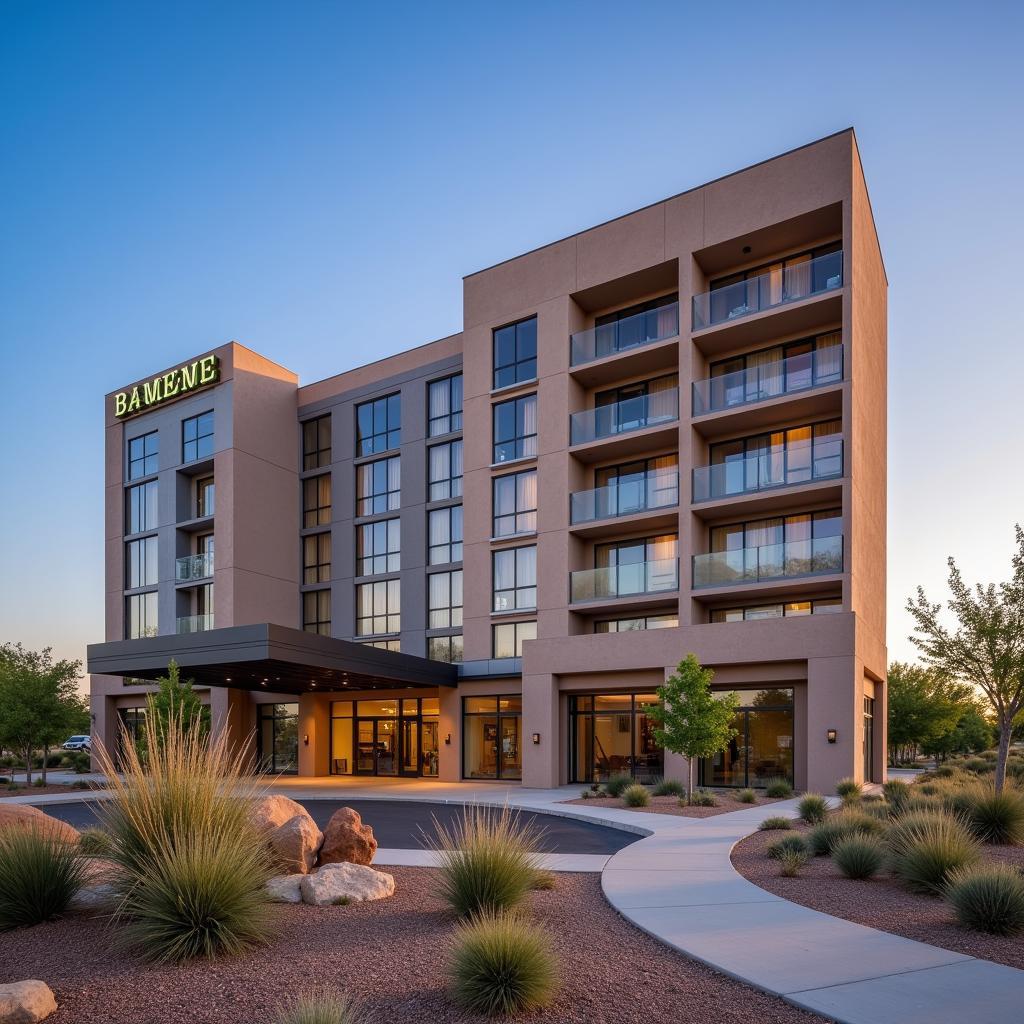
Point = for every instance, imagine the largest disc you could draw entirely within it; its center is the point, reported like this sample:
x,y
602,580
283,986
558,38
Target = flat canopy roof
x,y
269,656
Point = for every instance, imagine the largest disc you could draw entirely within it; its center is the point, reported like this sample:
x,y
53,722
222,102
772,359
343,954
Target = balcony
x,y
632,420
632,496
770,470
636,579
630,334
772,562
195,623
190,568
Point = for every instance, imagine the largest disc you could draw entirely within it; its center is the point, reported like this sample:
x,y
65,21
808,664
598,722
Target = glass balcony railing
x,y
630,580
775,287
193,567
820,459
630,332
629,495
770,562
769,380
623,417
195,623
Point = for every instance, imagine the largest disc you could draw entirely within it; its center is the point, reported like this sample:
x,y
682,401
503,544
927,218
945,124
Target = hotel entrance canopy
x,y
271,657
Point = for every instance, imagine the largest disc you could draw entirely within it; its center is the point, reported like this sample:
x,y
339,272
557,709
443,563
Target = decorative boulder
x,y
28,818
26,1002
285,889
292,835
271,811
345,882
346,838
97,898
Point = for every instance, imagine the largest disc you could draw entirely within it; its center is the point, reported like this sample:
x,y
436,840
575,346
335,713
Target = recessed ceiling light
x,y
746,250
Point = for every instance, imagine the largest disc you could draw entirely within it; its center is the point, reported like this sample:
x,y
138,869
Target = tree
x,y
177,703
39,701
985,647
691,720
924,704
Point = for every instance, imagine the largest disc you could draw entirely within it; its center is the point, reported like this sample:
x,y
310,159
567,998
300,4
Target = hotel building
x,y
477,559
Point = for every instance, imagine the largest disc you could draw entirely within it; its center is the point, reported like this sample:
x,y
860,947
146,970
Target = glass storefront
x,y
277,738
611,734
762,748
492,737
133,726
385,737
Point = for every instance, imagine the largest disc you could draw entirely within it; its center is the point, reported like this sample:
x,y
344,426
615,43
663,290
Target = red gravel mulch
x,y
390,955
670,805
880,902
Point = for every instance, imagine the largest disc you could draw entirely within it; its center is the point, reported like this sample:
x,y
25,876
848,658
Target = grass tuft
x,y
746,796
39,875
669,787
988,898
927,847
636,796
812,808
788,844
859,856
617,785
848,789
701,798
320,1006
778,789
777,822
791,862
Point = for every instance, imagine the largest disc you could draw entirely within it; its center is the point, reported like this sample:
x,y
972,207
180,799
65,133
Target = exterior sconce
x,y
831,735
536,738
448,740
305,740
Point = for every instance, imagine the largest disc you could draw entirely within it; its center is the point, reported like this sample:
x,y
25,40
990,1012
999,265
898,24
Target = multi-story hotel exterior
x,y
477,559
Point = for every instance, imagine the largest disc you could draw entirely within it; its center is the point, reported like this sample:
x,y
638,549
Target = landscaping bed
x,y
20,789
390,955
670,805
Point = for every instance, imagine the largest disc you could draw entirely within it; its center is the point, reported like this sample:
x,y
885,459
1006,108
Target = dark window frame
x,y
388,560
517,445
517,641
143,491
452,611
453,545
192,448
316,454
522,366
449,486
523,520
315,512
143,455
517,588
317,622
451,421
387,587
376,502
317,569
383,432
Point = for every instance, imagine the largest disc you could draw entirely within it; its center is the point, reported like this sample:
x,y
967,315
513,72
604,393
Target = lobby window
x,y
515,353
316,612
444,535
507,638
789,609
378,608
637,623
316,558
143,455
316,442
444,406
316,501
492,732
379,425
515,429
197,437
277,738
762,748
444,468
444,600
515,578
378,547
205,493
141,508
140,563
378,486
140,615
612,734
515,504
445,648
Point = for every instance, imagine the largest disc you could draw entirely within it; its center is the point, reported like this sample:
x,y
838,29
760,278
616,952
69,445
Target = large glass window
x,y
385,737
316,500
507,638
444,471
143,455
515,353
316,442
444,535
637,623
141,508
378,486
796,545
612,734
316,558
445,648
788,609
316,612
636,325
444,600
515,578
205,497
515,429
141,563
642,566
378,547
379,425
492,737
378,607
444,413
197,437
140,615
514,504
762,748
277,738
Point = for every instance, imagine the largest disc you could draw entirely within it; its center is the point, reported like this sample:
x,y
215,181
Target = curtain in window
x,y
667,325
828,357
438,527
663,399
526,491
440,463
440,403
528,411
456,458
798,277
394,474
663,481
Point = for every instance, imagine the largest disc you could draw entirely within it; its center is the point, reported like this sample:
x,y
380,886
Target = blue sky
x,y
314,179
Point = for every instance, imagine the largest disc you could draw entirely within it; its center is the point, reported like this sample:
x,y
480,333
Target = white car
x,y
78,743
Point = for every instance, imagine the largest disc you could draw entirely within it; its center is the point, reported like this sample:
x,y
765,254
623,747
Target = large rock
x,y
292,835
272,811
29,818
285,888
346,838
335,883
95,898
26,1002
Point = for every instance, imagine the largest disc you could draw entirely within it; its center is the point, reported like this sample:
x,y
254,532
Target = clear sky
x,y
314,179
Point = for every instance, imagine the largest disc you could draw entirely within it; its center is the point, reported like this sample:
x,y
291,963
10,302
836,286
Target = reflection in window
x,y
316,500
141,615
378,486
197,437
515,504
378,425
378,607
515,429
444,471
611,734
143,455
316,558
378,547
507,638
316,443
444,415
316,612
515,578
444,535
762,748
141,508
515,353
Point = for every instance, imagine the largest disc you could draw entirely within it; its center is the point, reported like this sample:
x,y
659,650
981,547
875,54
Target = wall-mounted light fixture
x,y
305,740
448,740
536,738
831,735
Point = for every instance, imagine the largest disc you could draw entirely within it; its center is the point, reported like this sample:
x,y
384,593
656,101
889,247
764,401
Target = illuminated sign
x,y
168,386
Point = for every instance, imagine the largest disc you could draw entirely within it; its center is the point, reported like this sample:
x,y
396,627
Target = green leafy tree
x,y
39,702
691,720
176,704
985,644
924,704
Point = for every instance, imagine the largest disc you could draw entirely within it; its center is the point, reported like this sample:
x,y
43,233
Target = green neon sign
x,y
168,386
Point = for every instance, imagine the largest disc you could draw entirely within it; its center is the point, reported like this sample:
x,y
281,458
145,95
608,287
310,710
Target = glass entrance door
x,y
377,746
410,746
277,738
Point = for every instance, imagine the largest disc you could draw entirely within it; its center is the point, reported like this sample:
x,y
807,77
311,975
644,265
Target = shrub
x,y
543,881
859,856
824,836
636,796
787,844
317,1007
777,822
778,788
979,766
855,819
848,789
791,862
487,859
877,809
587,794
80,784
669,787
895,791
926,848
94,842
812,808
190,863
996,817
618,784
746,796
702,798
988,898
501,964
39,875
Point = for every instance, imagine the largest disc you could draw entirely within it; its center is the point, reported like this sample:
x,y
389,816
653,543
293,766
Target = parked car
x,y
78,743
